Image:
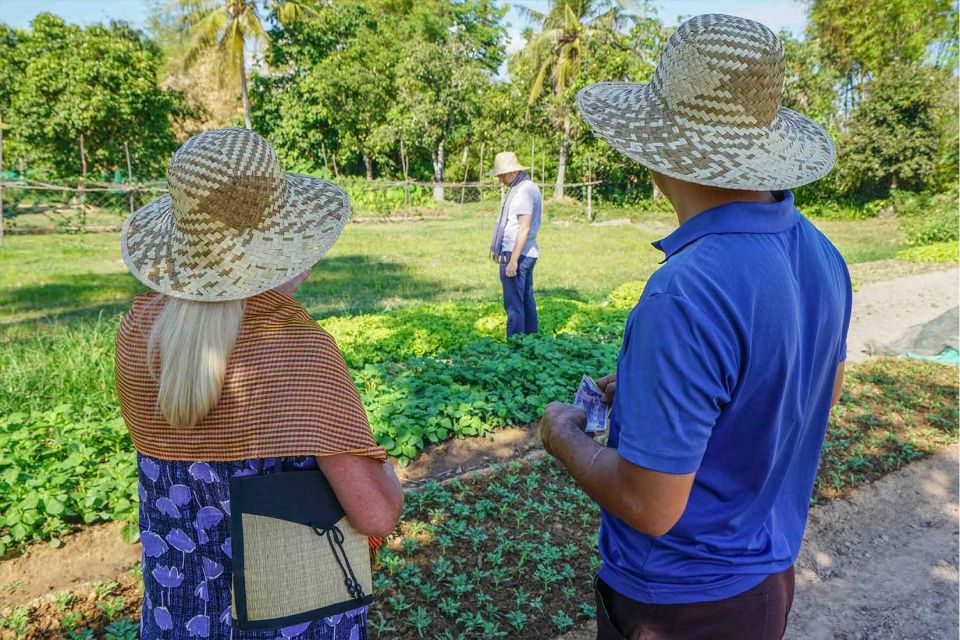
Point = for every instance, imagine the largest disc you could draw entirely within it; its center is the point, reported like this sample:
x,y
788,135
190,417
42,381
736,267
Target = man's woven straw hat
x,y
233,224
505,162
712,115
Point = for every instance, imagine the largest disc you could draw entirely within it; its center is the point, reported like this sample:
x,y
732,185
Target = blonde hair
x,y
193,340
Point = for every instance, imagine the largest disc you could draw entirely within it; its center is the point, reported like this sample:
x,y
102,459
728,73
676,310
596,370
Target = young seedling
x,y
561,621
420,619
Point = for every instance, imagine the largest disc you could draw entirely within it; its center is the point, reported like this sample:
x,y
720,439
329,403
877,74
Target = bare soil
x,y
456,457
884,312
93,553
867,273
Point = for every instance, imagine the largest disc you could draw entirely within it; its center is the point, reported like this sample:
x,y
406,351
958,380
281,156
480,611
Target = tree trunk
x,y
244,94
562,165
83,158
368,166
438,173
406,175
561,169
894,185
657,194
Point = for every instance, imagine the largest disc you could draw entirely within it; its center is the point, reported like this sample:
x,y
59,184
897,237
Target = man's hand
x,y
608,385
511,268
561,421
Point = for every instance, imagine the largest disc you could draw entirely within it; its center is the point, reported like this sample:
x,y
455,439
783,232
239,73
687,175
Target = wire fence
x,y
34,207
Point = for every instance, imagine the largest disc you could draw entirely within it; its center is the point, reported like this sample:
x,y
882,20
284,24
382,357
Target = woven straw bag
x,y
296,557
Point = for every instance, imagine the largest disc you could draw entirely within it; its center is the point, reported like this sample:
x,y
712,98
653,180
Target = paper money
x,y
590,399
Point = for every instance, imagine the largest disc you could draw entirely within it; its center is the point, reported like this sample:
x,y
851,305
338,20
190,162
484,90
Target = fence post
x,y
126,151
1,180
590,202
406,177
323,150
483,145
466,171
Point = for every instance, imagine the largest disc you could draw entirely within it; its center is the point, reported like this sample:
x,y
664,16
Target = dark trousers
x,y
757,614
518,297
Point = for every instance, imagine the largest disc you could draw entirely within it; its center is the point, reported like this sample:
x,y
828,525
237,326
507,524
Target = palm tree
x,y
555,52
227,26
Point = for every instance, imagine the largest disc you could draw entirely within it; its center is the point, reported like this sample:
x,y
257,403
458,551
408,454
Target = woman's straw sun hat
x,y
233,224
712,115
505,162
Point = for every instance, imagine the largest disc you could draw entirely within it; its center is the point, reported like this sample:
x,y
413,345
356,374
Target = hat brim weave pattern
x,y
221,264
792,151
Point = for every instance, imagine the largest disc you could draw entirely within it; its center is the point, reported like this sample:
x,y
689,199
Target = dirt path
x,y
881,565
884,311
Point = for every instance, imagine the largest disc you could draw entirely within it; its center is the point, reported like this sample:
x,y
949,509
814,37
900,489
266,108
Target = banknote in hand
x,y
590,399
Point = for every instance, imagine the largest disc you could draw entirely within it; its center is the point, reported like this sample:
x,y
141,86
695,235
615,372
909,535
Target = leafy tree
x,y
555,54
809,81
332,85
228,26
895,134
212,104
439,98
862,38
351,82
87,91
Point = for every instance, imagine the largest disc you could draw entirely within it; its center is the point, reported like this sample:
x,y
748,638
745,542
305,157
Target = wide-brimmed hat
x,y
233,224
712,115
505,162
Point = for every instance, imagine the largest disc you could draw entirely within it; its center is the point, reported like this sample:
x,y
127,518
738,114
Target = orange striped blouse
x,y
286,391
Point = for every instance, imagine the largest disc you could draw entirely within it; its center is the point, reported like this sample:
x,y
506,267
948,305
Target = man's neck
x,y
688,202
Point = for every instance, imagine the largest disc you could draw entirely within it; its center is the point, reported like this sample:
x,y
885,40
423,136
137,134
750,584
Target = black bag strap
x,y
335,538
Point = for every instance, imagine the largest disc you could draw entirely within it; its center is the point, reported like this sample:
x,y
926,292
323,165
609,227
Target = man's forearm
x,y
593,466
522,234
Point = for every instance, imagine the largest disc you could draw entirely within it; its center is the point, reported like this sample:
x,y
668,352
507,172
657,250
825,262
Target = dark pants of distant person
x,y
757,614
518,296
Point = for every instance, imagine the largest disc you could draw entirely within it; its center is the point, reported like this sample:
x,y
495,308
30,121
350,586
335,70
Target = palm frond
x,y
288,11
231,50
251,27
532,16
536,89
205,32
192,6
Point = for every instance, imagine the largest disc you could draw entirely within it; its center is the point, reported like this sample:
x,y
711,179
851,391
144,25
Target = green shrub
x,y
939,252
61,467
927,219
843,209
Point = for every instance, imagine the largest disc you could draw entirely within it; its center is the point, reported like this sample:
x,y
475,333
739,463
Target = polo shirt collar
x,y
732,217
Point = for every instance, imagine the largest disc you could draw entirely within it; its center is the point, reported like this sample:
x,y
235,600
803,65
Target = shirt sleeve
x,y
522,203
847,312
675,374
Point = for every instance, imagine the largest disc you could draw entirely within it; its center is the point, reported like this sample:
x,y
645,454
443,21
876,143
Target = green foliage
x,y
938,252
93,87
860,38
383,198
61,467
927,219
894,135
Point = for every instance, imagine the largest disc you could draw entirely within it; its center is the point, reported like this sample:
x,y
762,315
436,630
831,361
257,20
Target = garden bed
x,y
511,553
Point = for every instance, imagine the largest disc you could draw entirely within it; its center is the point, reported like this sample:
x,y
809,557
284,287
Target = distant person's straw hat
x,y
233,224
712,115
505,162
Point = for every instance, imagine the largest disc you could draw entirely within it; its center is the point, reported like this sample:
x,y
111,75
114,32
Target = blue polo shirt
x,y
727,369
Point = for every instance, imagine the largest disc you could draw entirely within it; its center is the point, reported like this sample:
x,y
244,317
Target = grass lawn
x,y
378,267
